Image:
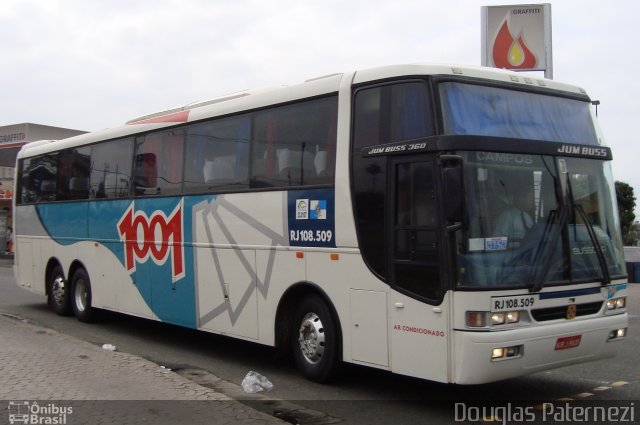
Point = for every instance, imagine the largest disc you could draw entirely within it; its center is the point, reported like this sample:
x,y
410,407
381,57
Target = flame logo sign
x,y
511,52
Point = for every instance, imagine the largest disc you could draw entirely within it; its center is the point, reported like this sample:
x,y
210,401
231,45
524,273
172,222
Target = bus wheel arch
x,y
306,315
57,288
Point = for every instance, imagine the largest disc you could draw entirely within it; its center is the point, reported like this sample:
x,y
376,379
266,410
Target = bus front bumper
x,y
533,349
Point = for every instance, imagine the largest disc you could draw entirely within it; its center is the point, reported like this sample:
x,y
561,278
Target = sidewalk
x,y
53,373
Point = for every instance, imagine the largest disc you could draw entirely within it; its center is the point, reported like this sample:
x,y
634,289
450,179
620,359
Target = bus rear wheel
x,y
59,294
314,339
81,296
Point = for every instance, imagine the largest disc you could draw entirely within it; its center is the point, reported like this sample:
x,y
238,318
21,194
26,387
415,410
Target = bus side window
x,y
111,169
73,173
38,180
217,155
294,145
391,113
158,167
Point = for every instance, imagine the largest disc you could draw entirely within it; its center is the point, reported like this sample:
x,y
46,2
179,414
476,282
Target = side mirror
x,y
453,190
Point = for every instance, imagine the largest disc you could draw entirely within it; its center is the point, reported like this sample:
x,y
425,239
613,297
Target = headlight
x,y
616,303
482,319
498,318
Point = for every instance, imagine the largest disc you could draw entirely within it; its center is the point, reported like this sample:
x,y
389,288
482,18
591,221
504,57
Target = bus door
x,y
418,312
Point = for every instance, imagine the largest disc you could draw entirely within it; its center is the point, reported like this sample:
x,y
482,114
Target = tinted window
x,y
391,113
382,114
416,259
283,146
217,155
73,173
38,179
111,169
157,167
55,176
294,145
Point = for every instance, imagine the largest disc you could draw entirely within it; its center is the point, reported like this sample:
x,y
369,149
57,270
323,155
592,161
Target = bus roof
x,y
263,97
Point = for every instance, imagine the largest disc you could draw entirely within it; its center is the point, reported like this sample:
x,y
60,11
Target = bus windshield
x,y
535,219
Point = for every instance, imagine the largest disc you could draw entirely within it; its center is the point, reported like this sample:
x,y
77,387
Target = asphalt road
x,y
360,395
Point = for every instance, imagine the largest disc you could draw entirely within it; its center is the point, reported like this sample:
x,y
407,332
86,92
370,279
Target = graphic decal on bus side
x,y
161,239
154,239
166,283
182,252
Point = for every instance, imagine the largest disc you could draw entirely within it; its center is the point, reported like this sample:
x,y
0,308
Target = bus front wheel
x,y
81,296
314,339
59,296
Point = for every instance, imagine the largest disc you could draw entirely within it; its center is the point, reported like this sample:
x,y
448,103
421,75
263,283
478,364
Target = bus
x,y
457,224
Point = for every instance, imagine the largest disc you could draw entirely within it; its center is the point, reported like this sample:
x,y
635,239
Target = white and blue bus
x,y
457,224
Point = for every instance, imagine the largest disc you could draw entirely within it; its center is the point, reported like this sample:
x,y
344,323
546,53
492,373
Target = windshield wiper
x,y
544,254
606,278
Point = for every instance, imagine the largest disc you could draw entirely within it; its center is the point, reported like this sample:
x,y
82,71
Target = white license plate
x,y
517,302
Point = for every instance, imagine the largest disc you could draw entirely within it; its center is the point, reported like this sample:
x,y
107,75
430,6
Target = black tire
x,y
81,296
314,339
59,292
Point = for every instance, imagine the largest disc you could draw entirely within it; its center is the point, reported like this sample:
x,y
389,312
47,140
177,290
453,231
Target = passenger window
x,y
73,174
38,180
294,145
56,176
111,169
217,156
158,163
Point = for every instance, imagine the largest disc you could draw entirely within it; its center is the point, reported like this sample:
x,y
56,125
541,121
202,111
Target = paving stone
x,y
47,368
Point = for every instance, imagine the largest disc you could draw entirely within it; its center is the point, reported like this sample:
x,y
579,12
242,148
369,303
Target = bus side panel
x,y
112,287
24,267
349,283
420,337
232,234
29,235
227,301
276,272
97,251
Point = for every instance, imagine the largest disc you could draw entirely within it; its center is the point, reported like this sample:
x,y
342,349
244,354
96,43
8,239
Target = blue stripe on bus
x,y
572,293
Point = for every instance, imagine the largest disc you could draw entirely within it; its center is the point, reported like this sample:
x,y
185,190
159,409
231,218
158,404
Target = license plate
x,y
568,342
516,302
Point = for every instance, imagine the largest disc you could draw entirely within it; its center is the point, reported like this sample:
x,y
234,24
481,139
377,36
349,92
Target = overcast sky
x,y
90,64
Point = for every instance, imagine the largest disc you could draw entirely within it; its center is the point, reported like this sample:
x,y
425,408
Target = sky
x,y
94,64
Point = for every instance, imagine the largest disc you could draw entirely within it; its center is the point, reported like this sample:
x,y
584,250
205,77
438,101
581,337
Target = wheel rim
x,y
311,338
58,290
81,294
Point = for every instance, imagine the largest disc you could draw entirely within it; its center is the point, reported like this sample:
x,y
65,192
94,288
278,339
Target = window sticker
x,y
496,244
